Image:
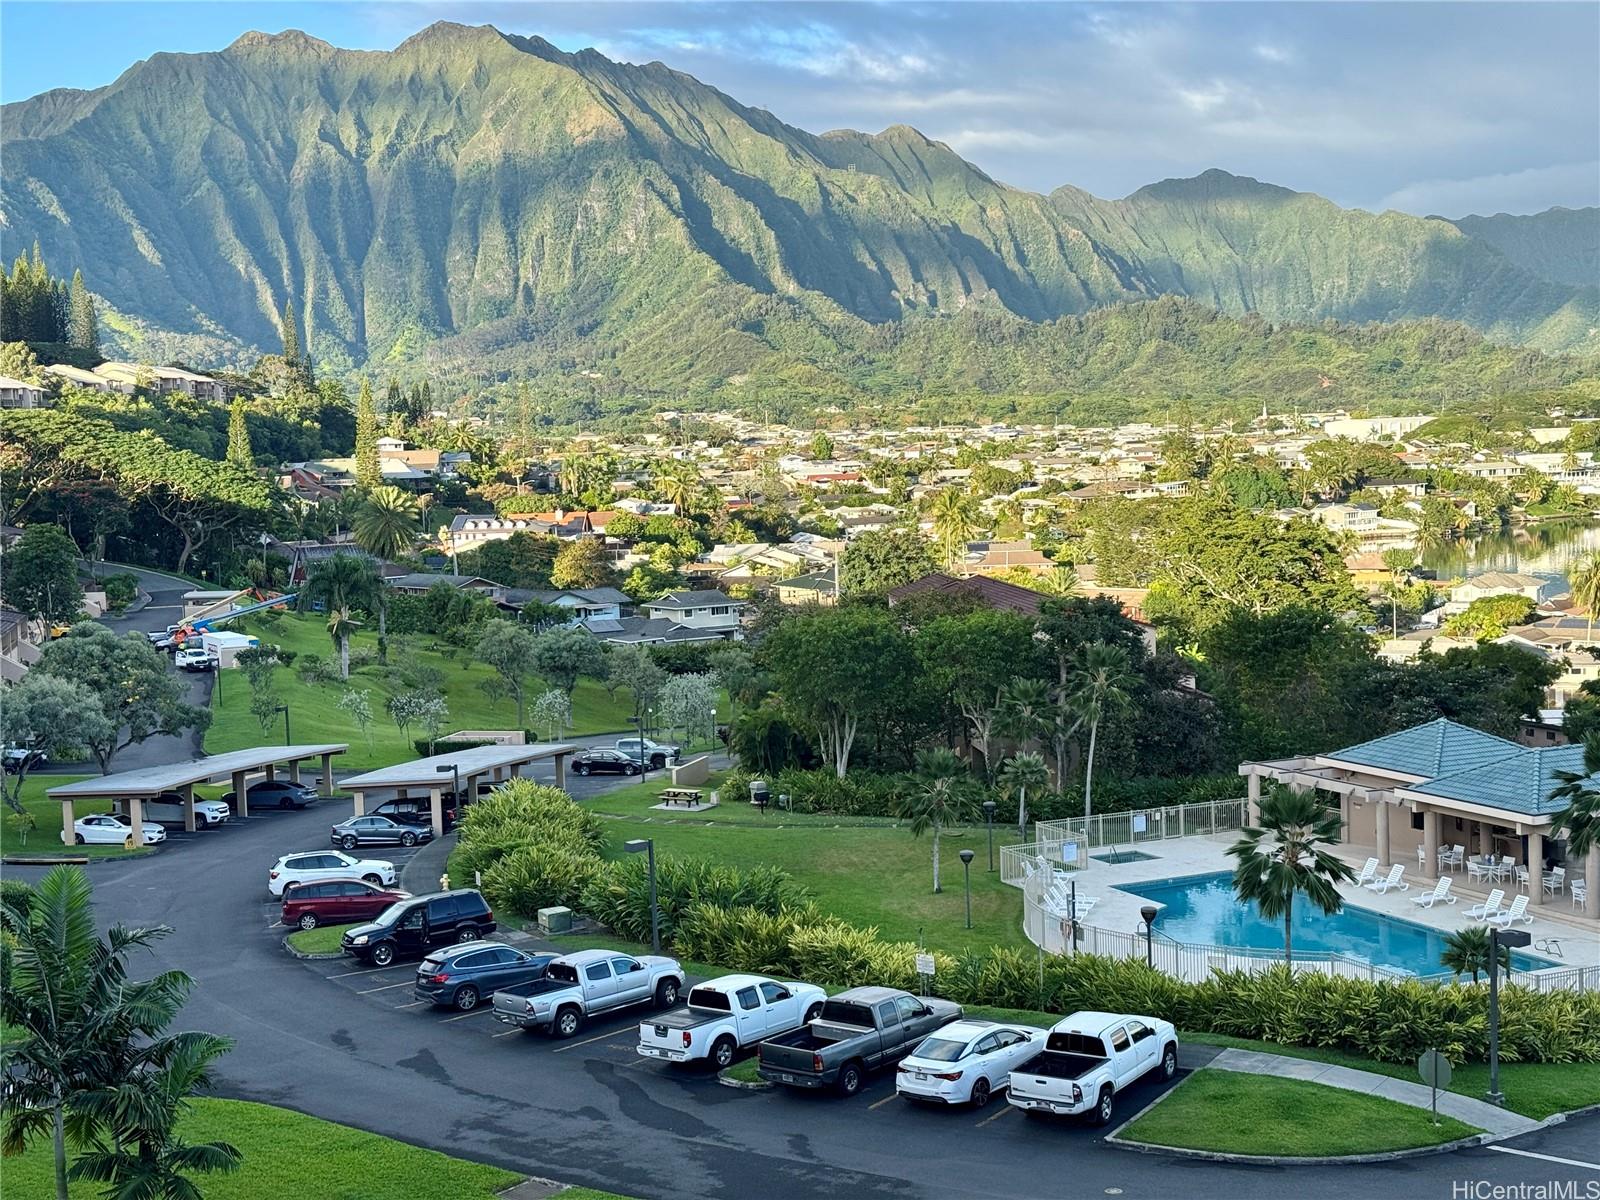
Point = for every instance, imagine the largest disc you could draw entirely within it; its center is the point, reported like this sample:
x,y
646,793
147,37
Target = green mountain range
x,y
482,201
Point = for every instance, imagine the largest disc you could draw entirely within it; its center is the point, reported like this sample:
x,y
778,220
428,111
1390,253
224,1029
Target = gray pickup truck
x,y
861,1030
578,986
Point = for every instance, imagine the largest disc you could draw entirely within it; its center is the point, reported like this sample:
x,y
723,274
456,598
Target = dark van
x,y
411,928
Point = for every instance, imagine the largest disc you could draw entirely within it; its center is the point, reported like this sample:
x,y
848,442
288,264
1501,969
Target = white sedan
x,y
313,866
112,829
966,1061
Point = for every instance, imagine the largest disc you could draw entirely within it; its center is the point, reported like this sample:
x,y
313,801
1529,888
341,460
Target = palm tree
x,y
1580,819
1466,952
954,523
1020,774
1293,861
944,796
1584,579
1399,563
386,524
1059,580
341,582
76,1018
1099,684
676,487
1027,712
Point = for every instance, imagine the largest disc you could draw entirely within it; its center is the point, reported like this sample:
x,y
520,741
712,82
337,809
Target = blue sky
x,y
1430,108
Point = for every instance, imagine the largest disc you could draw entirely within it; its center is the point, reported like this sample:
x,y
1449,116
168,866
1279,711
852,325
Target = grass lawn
x,y
1536,1090
1233,1113
324,939
315,715
868,873
45,837
278,1145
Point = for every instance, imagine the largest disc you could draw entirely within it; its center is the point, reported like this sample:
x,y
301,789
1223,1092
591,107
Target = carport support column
x,y
1535,867
266,773
1252,790
136,819
188,807
294,770
435,799
327,775
561,771
1591,882
68,819
241,798
1430,843
1383,834
361,803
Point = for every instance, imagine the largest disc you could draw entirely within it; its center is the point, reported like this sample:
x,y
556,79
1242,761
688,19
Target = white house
x,y
1537,588
17,393
712,612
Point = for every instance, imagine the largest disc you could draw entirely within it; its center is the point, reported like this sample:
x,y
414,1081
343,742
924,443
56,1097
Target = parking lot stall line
x,y
388,987
1005,1111
587,1042
890,1098
477,1012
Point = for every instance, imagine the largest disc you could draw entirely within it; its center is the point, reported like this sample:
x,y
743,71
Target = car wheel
x,y
657,762
666,993
283,802
813,1013
1106,1106
850,1079
568,1022
722,1053
78,838
382,954
980,1093
581,769
200,821
374,880
347,842
466,933
408,839
466,997
1169,1062
630,769
308,920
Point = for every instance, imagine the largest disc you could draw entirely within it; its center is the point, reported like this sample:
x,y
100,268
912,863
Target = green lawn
x,y
868,873
279,1147
1234,1113
324,939
315,716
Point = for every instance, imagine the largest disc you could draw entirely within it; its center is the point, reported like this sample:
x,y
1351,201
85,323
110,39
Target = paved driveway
x,y
350,1044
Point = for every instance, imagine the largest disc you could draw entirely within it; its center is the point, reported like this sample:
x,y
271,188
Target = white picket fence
x,y
1144,825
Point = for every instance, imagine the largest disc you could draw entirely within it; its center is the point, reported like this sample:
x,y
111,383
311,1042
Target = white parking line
x,y
477,1012
1004,1112
587,1042
414,1004
1567,1162
507,1033
385,988
367,971
880,1103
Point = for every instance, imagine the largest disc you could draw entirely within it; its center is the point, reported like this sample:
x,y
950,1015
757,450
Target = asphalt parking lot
x,y
351,1044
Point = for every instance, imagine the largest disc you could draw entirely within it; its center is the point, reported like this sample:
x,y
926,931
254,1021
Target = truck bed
x,y
1055,1064
537,987
687,1018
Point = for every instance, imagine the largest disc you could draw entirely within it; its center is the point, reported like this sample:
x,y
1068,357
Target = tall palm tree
x,y
1286,856
1580,819
386,524
1466,952
339,583
1019,775
1584,579
944,795
955,523
1099,685
1059,580
677,486
1399,563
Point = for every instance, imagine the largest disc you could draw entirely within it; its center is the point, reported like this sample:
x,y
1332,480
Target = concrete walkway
x,y
1480,1113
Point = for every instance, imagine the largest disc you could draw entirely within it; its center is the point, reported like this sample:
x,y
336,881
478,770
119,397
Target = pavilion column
x,y
436,797
561,771
136,819
1345,805
1535,868
1252,791
1383,835
294,770
188,807
1430,843
361,803
68,819
241,797
327,775
267,773
1591,883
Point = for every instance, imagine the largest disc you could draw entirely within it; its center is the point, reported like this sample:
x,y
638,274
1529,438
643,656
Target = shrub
x,y
684,658
364,657
122,589
313,668
426,748
619,895
539,875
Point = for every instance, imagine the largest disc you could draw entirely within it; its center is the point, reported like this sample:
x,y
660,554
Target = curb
x,y
301,954
744,1085
69,860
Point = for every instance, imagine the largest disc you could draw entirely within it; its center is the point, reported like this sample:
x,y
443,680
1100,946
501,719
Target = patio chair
x,y
1580,893
1422,858
1521,874
1441,891
1482,912
1480,868
1367,874
1508,867
1506,917
1556,881
1390,882
1451,857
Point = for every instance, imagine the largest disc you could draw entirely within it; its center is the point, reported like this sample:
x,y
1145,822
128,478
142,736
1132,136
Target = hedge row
x,y
1383,1020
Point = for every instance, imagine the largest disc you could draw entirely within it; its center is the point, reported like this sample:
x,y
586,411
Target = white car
x,y
112,829
728,1013
167,809
316,865
966,1061
193,658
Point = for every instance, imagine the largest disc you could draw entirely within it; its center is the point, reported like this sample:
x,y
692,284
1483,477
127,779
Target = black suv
x,y
413,811
604,762
411,928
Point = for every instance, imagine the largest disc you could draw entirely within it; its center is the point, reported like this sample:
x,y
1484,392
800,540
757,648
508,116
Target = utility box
x,y
225,647
555,920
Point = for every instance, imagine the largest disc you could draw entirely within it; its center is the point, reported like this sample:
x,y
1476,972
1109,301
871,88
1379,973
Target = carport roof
x,y
151,781
424,772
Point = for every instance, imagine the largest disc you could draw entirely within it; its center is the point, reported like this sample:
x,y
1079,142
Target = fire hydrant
x,y
444,882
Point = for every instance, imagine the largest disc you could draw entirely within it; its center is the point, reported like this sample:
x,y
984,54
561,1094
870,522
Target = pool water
x,y
1203,908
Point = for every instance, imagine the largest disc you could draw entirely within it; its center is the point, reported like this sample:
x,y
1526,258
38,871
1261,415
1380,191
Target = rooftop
x,y
151,781
425,772
1428,751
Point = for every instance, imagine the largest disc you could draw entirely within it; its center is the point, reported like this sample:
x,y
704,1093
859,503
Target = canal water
x,y
1545,549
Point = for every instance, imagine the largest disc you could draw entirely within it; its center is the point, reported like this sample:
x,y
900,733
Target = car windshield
x,y
940,1050
391,914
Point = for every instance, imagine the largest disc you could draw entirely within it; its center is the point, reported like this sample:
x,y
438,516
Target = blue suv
x,y
464,976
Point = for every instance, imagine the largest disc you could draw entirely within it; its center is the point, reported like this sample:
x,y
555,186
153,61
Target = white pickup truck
x,y
726,1014
1088,1058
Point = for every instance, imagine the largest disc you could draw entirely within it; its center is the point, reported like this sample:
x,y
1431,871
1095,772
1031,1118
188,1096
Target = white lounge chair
x,y
1517,912
1368,873
1392,881
1481,912
1556,881
1441,891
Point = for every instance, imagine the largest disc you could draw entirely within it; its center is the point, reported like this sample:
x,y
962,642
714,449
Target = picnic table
x,y
685,796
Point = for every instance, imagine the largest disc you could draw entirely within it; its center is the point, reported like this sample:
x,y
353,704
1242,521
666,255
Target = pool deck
x,y
1579,937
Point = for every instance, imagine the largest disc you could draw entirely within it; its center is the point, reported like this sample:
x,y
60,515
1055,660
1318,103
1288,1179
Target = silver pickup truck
x,y
578,986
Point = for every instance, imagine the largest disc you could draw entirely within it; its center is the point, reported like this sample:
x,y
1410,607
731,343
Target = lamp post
x,y
638,724
284,709
713,726
988,817
647,847
1148,912
455,773
264,539
966,869
1508,938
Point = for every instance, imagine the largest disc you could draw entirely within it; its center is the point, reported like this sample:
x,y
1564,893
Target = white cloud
x,y
1267,52
1575,185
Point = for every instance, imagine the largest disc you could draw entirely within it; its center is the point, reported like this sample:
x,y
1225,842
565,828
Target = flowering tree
x,y
358,707
552,712
686,702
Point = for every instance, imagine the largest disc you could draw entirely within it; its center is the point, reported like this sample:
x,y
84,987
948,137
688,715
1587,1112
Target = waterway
x,y
1544,549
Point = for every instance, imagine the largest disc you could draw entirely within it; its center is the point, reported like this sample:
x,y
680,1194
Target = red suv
x,y
335,902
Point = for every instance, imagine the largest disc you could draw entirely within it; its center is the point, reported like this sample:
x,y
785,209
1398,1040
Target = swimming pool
x,y
1203,908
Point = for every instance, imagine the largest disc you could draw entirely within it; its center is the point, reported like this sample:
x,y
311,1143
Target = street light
x,y
284,709
455,773
264,539
988,816
647,847
637,722
713,726
1148,912
1509,938
966,866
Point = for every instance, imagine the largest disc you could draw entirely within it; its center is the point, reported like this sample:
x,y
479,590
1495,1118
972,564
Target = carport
x,y
428,775
148,782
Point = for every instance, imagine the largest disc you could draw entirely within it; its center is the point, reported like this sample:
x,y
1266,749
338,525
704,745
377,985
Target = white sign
x,y
1069,853
924,964
1138,822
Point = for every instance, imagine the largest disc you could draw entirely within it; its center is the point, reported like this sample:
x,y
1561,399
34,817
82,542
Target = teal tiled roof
x,y
1518,782
1440,747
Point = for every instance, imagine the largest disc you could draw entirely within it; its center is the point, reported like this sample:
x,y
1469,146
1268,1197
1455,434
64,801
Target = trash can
x,y
760,796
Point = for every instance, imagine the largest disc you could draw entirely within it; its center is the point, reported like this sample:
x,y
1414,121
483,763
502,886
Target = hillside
x,y
474,198
1560,244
